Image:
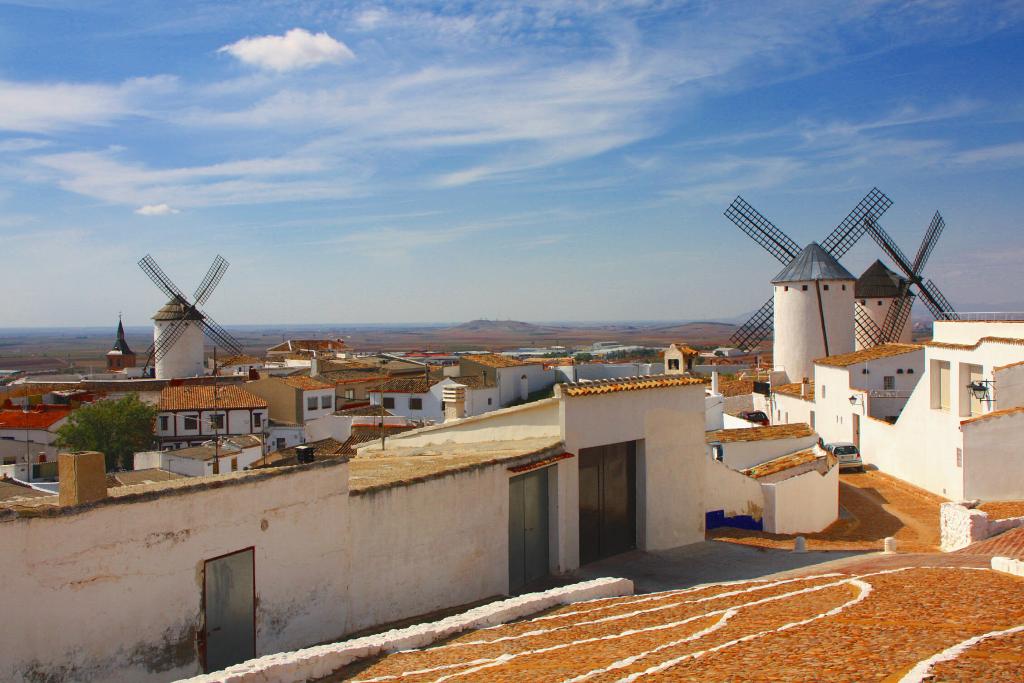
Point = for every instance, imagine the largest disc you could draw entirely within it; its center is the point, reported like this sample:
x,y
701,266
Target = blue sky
x,y
552,160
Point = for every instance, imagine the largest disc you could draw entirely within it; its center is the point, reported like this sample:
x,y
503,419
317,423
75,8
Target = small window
x,y
279,443
389,402
879,303
823,391
191,422
910,371
234,464
673,363
415,404
844,287
825,287
863,302
804,287
164,423
350,393
785,288
889,383
326,401
717,452
899,371
959,457
217,421
811,419
488,400
257,420
311,403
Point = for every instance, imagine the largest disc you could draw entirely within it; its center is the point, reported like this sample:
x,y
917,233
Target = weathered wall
x,y
802,504
112,592
734,493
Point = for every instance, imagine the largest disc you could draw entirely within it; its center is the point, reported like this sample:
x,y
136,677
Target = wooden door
x,y
607,499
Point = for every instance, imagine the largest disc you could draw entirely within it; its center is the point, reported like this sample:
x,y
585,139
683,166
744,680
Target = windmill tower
x,y
179,327
895,326
814,291
877,294
813,303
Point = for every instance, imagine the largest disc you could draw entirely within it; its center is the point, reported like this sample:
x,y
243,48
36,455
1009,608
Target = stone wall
x,y
962,524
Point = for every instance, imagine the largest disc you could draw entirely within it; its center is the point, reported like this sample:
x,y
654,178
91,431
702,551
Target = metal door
x,y
527,528
856,430
607,478
229,603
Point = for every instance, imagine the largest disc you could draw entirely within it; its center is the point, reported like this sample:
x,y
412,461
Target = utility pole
x,y
216,430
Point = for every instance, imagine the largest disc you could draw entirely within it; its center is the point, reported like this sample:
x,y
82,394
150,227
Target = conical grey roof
x,y
878,282
121,344
177,309
813,263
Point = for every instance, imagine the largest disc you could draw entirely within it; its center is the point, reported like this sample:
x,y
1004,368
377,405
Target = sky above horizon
x,y
535,160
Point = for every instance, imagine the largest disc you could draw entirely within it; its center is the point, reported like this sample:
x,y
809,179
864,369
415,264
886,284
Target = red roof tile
x,y
39,417
202,398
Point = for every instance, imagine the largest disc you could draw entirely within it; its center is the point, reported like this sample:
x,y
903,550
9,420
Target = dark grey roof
x,y
121,345
813,263
177,309
878,282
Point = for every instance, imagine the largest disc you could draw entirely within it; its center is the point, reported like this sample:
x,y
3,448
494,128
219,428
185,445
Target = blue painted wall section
x,y
717,518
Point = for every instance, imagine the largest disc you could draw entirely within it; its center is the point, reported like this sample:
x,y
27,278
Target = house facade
x,y
515,379
27,437
191,415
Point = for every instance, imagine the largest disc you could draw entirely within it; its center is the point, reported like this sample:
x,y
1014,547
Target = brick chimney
x,y
83,477
805,388
454,396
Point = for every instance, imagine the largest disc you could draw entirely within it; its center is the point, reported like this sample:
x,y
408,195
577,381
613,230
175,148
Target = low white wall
x,y
993,462
961,526
113,592
803,504
338,427
740,455
537,419
733,492
733,422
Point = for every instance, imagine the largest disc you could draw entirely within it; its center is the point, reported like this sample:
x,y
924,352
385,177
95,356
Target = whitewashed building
x,y
191,415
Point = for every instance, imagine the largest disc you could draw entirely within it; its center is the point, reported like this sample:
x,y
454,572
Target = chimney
x,y
805,388
314,365
305,454
454,396
714,383
83,477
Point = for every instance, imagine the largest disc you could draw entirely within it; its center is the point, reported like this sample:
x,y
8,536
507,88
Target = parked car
x,y
847,454
755,416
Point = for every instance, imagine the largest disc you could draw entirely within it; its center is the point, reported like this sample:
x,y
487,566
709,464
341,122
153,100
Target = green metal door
x,y
229,599
527,528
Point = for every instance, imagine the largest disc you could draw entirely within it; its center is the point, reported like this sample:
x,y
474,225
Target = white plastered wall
x,y
786,409
740,455
732,492
113,593
798,324
806,503
994,458
185,357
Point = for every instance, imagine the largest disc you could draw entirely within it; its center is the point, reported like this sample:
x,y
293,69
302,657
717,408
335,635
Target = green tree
x,y
115,428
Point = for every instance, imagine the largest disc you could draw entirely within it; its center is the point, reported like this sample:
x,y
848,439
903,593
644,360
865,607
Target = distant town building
x,y
120,356
190,415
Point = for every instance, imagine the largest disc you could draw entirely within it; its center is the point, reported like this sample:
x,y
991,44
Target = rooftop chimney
x,y
305,454
805,388
314,365
454,396
714,382
83,477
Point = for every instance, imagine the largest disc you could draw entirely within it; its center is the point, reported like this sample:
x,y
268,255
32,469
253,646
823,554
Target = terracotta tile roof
x,y
791,431
474,382
607,386
783,463
495,360
12,492
794,390
205,452
324,449
360,411
202,398
240,359
992,415
404,385
686,350
736,387
1008,366
365,434
864,355
971,347
39,417
305,383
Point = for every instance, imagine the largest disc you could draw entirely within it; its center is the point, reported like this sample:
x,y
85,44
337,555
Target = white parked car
x,y
847,454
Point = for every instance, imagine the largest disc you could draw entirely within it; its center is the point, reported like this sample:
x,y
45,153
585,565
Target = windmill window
x,y
785,288
863,302
844,287
879,302
899,371
825,287
804,287
910,371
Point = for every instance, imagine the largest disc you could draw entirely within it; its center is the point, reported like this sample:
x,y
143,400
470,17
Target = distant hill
x,y
497,327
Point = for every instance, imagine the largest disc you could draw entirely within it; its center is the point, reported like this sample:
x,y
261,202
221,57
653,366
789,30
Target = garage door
x,y
607,500
527,528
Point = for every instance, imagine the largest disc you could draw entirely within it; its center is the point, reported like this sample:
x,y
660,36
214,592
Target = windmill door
x,y
607,478
229,602
527,528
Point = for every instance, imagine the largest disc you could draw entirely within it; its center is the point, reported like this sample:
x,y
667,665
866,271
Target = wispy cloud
x,y
156,210
296,49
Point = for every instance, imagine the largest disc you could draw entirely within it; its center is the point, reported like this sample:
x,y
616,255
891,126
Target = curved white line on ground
x,y
502,659
625,615
637,657
865,590
921,670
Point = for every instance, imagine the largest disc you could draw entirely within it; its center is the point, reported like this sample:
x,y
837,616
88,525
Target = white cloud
x,y
155,210
47,107
296,49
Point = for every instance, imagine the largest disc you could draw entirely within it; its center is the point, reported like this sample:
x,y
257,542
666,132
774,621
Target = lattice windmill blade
x,y
212,279
159,277
850,229
762,231
219,336
866,330
757,328
897,315
931,237
937,303
170,334
889,246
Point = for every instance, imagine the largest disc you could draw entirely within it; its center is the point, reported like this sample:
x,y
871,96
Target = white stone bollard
x,y
800,544
889,546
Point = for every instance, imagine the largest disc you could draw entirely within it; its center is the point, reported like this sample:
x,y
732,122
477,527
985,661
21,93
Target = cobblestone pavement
x,y
871,621
876,505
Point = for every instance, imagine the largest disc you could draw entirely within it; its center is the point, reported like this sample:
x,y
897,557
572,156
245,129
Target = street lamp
x,y
980,389
857,399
